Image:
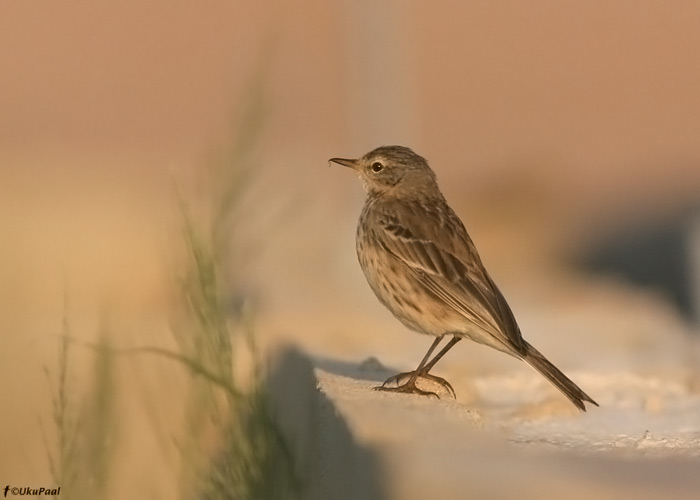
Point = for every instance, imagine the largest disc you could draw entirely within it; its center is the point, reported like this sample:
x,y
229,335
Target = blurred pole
x,y
694,265
380,105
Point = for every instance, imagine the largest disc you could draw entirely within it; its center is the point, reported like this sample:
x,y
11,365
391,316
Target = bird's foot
x,y
410,386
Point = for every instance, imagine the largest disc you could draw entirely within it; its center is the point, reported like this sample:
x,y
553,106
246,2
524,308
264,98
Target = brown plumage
x,y
422,265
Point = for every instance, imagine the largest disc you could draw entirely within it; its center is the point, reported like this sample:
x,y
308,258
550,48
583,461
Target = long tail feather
x,y
535,359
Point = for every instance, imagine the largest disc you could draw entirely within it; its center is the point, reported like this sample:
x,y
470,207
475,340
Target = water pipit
x,y
422,265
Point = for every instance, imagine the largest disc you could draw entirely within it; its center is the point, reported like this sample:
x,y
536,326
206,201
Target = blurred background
x,y
565,135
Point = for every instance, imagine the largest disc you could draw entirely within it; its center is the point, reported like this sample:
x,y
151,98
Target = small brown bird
x,y
421,264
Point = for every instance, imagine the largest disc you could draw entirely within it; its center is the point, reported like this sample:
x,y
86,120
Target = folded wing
x,y
437,250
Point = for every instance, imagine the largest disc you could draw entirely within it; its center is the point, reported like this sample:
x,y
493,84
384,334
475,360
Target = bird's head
x,y
392,169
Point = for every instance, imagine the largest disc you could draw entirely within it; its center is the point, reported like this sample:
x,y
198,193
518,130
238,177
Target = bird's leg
x,y
422,372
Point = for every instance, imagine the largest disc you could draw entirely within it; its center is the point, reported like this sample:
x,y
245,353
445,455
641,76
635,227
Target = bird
x,y
422,265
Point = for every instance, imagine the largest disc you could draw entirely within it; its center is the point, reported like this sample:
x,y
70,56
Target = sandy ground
x,y
514,437
510,433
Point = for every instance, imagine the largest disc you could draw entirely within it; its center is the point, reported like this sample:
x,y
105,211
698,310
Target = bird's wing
x,y
436,248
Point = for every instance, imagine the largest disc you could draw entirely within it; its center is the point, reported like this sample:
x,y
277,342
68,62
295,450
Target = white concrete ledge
x,y
355,443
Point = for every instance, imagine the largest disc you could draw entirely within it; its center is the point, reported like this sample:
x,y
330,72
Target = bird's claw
x,y
407,388
410,386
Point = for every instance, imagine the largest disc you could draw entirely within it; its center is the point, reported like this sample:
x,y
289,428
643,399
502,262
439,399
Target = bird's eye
x,y
377,167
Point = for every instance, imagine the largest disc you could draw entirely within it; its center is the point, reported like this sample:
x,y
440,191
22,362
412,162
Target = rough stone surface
x,y
520,439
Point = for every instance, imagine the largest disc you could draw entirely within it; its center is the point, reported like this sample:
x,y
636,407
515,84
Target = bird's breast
x,y
398,290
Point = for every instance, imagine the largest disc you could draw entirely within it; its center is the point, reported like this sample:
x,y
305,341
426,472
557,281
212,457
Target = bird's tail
x,y
535,359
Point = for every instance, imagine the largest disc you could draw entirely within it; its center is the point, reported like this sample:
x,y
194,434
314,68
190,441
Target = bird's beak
x,y
344,162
